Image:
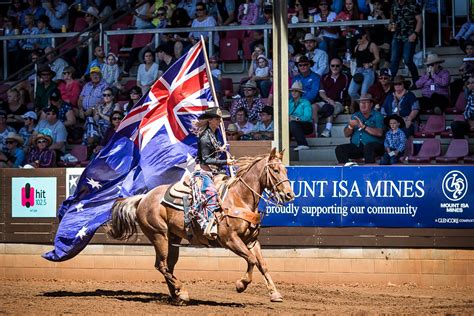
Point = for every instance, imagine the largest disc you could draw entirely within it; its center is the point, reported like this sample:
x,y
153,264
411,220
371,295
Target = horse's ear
x,y
273,153
282,153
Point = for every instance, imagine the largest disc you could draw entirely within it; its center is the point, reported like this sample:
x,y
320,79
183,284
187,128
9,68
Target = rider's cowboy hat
x,y
213,113
396,117
14,136
433,59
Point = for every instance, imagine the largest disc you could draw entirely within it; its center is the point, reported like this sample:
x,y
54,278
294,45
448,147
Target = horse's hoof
x,y
276,297
240,286
183,296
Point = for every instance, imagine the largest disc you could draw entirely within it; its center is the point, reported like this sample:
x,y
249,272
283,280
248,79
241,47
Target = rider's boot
x,y
210,232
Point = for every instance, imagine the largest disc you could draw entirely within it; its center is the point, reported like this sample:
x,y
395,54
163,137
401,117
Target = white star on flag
x,y
82,233
94,184
79,207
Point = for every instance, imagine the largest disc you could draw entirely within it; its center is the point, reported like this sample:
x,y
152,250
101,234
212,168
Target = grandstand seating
x,y
430,149
80,152
227,87
229,49
434,126
458,148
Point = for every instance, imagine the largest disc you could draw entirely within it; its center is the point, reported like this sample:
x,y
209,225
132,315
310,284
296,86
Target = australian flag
x,y
153,145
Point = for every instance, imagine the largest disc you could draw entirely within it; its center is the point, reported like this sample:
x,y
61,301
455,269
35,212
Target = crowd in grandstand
x,y
73,101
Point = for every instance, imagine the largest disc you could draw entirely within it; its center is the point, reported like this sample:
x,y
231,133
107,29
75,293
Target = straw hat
x,y
14,136
297,86
232,128
310,37
43,136
365,96
250,84
433,59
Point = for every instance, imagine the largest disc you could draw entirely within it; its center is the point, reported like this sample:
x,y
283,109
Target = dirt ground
x,y
128,298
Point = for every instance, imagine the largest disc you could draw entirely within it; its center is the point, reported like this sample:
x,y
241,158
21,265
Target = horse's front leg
x,y
275,296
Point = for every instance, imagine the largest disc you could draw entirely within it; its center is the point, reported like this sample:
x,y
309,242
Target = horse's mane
x,y
244,164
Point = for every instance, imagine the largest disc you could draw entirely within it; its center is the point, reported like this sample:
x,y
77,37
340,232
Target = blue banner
x,y
396,196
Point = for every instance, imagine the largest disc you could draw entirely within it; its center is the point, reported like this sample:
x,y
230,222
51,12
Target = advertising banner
x,y
405,196
34,197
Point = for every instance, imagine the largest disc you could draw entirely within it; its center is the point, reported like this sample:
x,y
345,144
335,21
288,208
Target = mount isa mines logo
x,y
31,196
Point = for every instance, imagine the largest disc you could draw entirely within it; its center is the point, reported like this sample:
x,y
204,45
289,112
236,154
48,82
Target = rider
x,y
209,164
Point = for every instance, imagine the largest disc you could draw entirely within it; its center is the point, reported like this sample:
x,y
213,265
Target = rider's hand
x,y
230,161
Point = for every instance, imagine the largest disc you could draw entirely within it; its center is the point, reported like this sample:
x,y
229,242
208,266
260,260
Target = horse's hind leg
x,y
173,256
275,296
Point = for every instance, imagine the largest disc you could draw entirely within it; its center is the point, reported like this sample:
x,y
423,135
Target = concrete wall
x,y
426,267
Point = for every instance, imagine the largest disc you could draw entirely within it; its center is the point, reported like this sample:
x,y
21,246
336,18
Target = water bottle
x,y
348,56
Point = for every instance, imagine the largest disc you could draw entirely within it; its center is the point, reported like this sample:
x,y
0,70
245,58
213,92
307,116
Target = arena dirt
x,y
128,298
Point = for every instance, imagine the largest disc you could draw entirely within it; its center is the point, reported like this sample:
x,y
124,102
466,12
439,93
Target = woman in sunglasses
x,y
70,88
41,156
133,96
104,110
115,120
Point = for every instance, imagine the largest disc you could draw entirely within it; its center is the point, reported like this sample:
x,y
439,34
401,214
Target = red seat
x,y
117,41
80,152
239,35
227,87
460,104
80,24
458,148
141,40
449,133
430,149
247,52
229,48
127,19
434,125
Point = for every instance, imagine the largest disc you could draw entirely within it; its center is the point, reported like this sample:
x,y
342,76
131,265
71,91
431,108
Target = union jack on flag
x,y
153,145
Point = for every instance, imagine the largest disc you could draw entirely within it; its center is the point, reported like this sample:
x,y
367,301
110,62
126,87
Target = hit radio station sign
x,y
34,197
404,196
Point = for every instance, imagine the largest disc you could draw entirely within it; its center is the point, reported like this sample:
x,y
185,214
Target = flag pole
x,y
214,95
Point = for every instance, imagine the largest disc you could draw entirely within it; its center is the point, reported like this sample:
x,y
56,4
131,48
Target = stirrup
x,y
210,232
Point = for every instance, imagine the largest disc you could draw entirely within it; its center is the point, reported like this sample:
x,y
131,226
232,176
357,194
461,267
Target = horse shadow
x,y
137,296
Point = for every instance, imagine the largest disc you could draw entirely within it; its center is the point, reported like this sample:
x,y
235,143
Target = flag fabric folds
x,y
153,145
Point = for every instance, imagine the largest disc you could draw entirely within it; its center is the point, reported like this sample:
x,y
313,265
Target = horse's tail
x,y
122,222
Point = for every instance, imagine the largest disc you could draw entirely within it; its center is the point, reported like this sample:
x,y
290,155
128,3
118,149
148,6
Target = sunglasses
x,y
303,65
106,95
10,142
27,119
116,118
161,14
335,66
398,84
133,92
200,9
41,141
46,74
66,72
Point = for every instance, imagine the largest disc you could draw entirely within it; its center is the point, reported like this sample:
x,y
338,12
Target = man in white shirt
x,y
57,65
318,56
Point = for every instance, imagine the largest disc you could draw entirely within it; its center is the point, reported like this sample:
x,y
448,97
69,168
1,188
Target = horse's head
x,y
276,178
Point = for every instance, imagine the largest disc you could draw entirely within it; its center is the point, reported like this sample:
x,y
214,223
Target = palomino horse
x,y
164,225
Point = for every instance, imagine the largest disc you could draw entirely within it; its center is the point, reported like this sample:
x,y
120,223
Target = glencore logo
x,y
30,196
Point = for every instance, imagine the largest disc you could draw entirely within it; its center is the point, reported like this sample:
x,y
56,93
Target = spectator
x,y
82,53
147,72
232,132
263,130
57,12
110,70
308,79
91,93
250,102
141,18
14,156
104,111
4,130
462,128
30,120
406,17
318,56
300,116
27,45
434,85
402,102
247,13
98,61
70,88
203,20
33,9
267,17
57,64
329,35
465,32
380,36
115,120
181,41
381,88
395,140
349,13
15,10
43,24
160,17
222,11
258,50
189,6
262,75
333,93
54,127
366,54
216,77
366,131
164,53
65,112
301,10
243,125
41,156
135,95
16,107
44,87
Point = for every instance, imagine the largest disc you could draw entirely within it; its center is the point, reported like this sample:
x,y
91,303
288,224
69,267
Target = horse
x,y
238,224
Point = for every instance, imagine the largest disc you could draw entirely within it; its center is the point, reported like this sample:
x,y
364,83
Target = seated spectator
x,y
98,61
468,65
147,72
248,13
44,87
104,110
30,120
267,17
141,17
115,120
189,6
42,25
4,130
244,127
262,75
301,10
318,56
223,11
434,85
16,107
70,88
301,113
161,14
111,71
333,93
329,35
465,70
250,102
263,130
165,55
465,33
395,140
179,41
203,20
463,128
57,12
308,79
135,95
14,156
54,127
402,102
366,55
380,89
232,132
57,64
91,93
350,12
82,52
27,45
365,128
34,9
41,156
258,50
65,112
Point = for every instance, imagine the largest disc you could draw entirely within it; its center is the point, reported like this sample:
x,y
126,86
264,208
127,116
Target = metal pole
x,y
101,33
453,17
5,60
53,42
423,44
106,43
211,43
439,22
91,49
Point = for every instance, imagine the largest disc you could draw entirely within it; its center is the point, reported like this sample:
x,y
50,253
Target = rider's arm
x,y
207,150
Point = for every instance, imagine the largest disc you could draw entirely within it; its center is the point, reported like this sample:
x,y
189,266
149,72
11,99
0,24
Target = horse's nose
x,y
290,196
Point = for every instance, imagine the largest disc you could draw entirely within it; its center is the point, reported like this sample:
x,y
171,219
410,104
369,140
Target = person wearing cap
x,y
209,163
4,130
434,85
407,23
232,132
318,56
333,93
14,156
55,128
65,112
301,113
263,130
402,102
15,108
44,87
381,88
41,156
365,128
395,140
91,93
30,120
57,12
309,79
250,102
